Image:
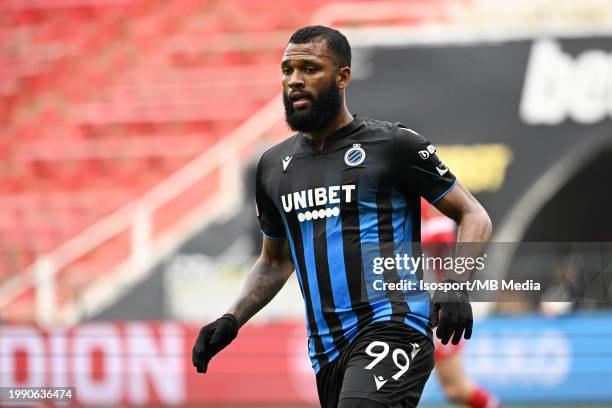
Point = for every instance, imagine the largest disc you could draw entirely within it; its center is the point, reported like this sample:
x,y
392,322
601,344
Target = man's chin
x,y
302,125
300,122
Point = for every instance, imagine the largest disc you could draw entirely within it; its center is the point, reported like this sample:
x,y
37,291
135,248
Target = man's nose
x,y
296,80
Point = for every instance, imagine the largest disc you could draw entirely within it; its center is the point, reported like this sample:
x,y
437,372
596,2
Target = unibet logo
x,y
558,86
318,197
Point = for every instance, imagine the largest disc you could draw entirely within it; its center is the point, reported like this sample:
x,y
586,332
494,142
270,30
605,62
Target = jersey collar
x,y
332,139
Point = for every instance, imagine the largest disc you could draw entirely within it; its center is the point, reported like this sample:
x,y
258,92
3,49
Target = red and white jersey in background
x,y
435,226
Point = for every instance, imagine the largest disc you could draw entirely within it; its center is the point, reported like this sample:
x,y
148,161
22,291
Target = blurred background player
x,y
457,386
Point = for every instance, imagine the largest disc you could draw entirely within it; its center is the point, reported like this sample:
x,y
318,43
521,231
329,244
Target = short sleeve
x,y
417,168
267,213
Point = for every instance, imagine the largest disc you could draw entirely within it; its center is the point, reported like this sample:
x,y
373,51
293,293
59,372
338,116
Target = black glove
x,y
213,338
452,313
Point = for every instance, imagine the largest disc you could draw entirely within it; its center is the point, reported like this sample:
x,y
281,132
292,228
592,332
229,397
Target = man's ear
x,y
344,77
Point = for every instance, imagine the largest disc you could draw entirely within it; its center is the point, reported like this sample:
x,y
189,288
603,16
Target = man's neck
x,y
343,119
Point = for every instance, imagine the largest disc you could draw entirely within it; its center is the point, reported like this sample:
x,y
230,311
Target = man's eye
x,y
310,70
286,71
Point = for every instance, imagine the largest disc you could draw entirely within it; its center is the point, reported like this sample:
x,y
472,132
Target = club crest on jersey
x,y
355,155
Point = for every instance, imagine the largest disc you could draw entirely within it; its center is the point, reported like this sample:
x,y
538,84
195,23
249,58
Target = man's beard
x,y
323,110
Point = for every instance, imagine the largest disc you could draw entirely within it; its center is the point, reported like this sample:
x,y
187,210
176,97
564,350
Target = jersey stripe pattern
x,y
341,208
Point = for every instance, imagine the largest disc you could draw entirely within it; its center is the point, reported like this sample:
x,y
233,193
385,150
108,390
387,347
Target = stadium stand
x,y
103,99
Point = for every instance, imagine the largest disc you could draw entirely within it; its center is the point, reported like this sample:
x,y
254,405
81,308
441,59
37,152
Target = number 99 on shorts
x,y
379,350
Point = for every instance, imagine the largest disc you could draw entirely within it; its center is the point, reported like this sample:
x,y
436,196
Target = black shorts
x,y
388,363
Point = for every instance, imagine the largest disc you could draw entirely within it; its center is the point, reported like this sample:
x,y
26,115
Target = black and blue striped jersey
x,y
357,199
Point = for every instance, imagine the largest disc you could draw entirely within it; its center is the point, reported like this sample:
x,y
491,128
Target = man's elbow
x,y
276,263
488,224
479,222
484,221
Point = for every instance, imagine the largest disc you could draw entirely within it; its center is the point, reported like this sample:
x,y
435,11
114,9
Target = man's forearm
x,y
264,281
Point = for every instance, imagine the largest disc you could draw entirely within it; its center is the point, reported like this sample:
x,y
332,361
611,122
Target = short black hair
x,y
335,40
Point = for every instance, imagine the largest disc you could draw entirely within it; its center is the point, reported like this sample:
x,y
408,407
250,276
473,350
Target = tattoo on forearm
x,y
261,286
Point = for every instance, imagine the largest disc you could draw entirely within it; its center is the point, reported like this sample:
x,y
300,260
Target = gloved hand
x,y
452,313
213,338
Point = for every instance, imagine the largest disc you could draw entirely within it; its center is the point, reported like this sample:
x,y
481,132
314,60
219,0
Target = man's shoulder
x,y
390,131
388,128
281,150
378,125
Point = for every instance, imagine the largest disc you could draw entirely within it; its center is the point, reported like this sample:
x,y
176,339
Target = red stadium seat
x,y
104,100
